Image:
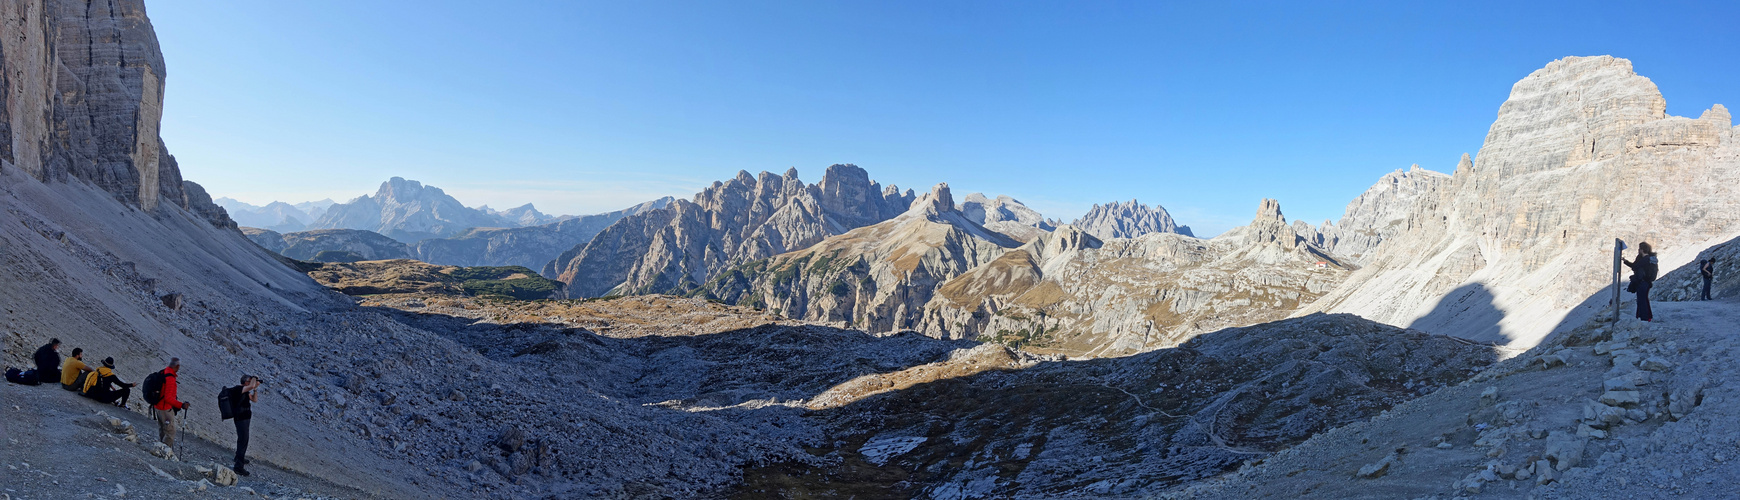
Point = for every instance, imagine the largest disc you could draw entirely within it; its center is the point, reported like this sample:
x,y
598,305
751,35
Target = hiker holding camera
x,y
238,403
1644,273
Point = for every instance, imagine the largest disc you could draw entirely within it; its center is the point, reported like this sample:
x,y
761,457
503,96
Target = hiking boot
x,y
241,471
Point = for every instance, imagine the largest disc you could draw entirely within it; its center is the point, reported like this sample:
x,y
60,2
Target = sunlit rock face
x,y
1582,153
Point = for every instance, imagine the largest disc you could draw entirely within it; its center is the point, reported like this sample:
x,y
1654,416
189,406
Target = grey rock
x,y
533,247
408,211
1129,219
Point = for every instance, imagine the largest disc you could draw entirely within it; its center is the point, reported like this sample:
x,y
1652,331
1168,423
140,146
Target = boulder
x,y
1563,451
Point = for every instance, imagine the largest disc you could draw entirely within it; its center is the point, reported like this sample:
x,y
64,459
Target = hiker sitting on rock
x,y
48,362
72,376
160,392
1643,277
106,387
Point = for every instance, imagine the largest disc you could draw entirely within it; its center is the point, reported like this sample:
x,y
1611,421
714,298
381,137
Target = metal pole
x,y
1618,255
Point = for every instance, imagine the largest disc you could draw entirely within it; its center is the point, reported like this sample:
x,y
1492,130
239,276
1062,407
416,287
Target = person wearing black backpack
x,y
1643,277
160,392
106,387
237,403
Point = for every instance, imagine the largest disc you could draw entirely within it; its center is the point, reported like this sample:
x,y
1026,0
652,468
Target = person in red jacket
x,y
166,407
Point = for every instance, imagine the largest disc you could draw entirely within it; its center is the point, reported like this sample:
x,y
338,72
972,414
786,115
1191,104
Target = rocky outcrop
x,y
523,215
1687,282
1581,153
1007,216
1128,220
337,245
83,100
876,278
749,218
408,211
1380,212
1072,293
532,247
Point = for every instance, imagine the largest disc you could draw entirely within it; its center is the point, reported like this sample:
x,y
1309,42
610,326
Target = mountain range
x,y
882,343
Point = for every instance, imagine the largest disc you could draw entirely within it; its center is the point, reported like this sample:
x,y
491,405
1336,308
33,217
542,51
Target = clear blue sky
x,y
586,107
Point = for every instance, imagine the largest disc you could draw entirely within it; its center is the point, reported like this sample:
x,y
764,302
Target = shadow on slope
x,y
755,366
1126,426
1469,311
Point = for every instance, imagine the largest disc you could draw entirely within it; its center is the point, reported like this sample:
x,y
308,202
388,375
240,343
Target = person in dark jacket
x,y
1708,271
242,399
48,362
1643,277
107,387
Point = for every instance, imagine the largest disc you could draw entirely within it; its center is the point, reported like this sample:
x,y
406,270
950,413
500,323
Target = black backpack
x,y
225,396
26,377
154,387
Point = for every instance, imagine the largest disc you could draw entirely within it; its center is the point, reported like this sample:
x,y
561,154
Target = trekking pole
x,y
1618,255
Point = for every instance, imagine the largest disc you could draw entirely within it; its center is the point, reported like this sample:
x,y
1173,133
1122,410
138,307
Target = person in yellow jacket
x,y
69,374
104,386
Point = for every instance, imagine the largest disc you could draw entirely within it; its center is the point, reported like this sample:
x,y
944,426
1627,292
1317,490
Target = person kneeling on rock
x,y
106,387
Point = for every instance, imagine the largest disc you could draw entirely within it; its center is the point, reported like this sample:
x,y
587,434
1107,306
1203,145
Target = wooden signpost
x,y
1618,255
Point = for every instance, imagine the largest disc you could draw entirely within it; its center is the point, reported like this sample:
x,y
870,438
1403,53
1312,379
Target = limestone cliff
x,y
749,218
1129,219
1517,239
83,101
876,278
1380,212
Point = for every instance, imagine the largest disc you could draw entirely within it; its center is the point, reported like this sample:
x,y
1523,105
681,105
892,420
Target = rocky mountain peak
x,y
1592,101
1271,226
938,200
1129,219
1718,114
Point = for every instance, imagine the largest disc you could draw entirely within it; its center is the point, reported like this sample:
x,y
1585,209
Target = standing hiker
x,y
70,375
160,392
241,400
48,362
1642,278
1708,270
106,387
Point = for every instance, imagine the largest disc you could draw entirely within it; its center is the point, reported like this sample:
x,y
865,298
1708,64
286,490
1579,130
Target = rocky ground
x,y
60,445
1632,410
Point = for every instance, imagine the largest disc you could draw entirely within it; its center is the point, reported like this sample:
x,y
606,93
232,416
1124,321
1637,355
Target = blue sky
x,y
585,107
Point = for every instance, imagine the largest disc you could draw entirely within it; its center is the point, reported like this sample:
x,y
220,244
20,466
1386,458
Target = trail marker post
x,y
1618,255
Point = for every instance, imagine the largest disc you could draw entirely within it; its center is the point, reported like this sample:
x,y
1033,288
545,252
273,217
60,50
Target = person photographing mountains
x,y
1642,278
238,403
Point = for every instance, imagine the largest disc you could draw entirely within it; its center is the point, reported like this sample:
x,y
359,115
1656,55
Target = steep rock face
x,y
878,277
1380,212
1128,220
531,247
676,249
1006,215
1072,293
83,100
408,211
265,238
1518,239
